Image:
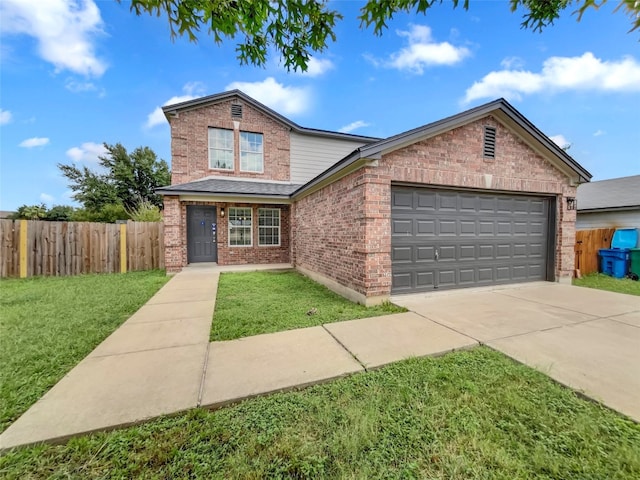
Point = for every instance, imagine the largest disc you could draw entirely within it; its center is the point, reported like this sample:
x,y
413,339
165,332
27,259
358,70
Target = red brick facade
x,y
344,230
175,219
190,142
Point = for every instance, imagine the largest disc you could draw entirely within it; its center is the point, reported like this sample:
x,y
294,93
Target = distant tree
x,y
30,212
146,212
126,181
60,213
297,28
107,213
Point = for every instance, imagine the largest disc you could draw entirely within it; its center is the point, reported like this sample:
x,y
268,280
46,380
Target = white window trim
x,y
270,227
240,150
229,227
233,147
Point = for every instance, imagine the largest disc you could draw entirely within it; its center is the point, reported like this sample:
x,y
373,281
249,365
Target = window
x,y
251,152
268,227
240,227
221,149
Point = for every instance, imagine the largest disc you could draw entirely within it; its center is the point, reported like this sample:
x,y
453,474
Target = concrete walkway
x,y
160,361
584,338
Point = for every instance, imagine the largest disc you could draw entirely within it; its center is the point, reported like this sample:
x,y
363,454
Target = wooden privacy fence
x,y
588,242
29,248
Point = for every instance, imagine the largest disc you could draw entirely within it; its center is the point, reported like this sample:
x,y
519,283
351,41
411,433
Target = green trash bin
x,y
634,260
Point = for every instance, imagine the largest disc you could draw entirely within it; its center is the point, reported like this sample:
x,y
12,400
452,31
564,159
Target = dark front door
x,y
201,234
453,239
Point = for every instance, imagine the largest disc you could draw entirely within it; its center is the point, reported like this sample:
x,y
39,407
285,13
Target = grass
x,y
251,303
467,415
49,324
605,282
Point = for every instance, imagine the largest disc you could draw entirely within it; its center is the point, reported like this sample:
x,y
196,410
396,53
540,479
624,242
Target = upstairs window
x,y
268,227
220,149
251,156
240,228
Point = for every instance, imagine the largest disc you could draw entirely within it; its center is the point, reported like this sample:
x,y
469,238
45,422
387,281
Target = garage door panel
x,y
447,227
401,227
447,202
426,227
402,200
425,201
480,239
468,203
425,254
401,254
425,279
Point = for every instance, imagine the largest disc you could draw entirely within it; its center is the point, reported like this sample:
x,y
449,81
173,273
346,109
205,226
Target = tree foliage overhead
x,y
296,29
125,180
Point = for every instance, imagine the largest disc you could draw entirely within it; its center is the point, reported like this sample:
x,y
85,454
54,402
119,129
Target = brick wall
x,y
175,218
343,230
330,232
190,142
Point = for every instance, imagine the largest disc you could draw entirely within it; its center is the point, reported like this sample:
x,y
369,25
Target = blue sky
x,y
80,73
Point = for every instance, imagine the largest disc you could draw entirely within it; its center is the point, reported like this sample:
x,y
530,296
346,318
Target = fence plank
x,y
588,242
73,248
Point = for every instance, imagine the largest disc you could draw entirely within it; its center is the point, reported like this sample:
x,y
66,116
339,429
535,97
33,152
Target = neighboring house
x,y
611,203
479,198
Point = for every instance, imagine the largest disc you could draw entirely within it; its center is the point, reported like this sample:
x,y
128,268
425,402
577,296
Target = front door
x,y
201,234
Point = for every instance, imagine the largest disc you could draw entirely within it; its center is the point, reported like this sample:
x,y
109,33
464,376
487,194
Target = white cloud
x,y
46,198
318,66
5,117
422,52
512,62
286,100
34,142
191,90
560,141
560,73
353,126
65,31
88,152
597,133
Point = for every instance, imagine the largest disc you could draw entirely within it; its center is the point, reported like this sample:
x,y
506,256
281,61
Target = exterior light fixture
x,y
571,203
222,212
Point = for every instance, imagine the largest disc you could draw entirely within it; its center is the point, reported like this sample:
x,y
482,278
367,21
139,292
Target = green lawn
x,y
605,282
49,324
251,303
466,415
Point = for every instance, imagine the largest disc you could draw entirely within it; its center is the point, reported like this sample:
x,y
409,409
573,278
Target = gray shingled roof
x,y
220,186
607,194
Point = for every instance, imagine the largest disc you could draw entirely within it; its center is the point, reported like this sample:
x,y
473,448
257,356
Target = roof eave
x,y
503,112
176,108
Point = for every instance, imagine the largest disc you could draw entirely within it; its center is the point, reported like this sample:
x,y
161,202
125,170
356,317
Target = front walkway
x,y
160,361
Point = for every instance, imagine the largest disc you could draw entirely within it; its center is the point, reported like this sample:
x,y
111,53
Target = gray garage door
x,y
452,239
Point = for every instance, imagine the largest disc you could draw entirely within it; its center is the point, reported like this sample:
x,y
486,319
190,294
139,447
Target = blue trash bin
x,y
614,261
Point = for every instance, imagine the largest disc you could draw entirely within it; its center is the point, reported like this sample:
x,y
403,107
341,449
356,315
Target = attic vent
x,y
489,144
236,110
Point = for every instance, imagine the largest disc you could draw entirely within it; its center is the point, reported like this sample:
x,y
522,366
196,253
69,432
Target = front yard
x,y
605,282
466,415
49,324
251,303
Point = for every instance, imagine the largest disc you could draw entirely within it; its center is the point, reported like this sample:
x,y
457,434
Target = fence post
x,y
23,249
123,248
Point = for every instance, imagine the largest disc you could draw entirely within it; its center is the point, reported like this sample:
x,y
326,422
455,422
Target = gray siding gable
x,y
312,155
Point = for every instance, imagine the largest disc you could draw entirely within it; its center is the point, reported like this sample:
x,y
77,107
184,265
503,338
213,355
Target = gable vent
x,y
236,110
489,144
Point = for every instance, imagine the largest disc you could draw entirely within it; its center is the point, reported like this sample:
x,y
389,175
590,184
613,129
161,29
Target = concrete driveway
x,y
584,338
